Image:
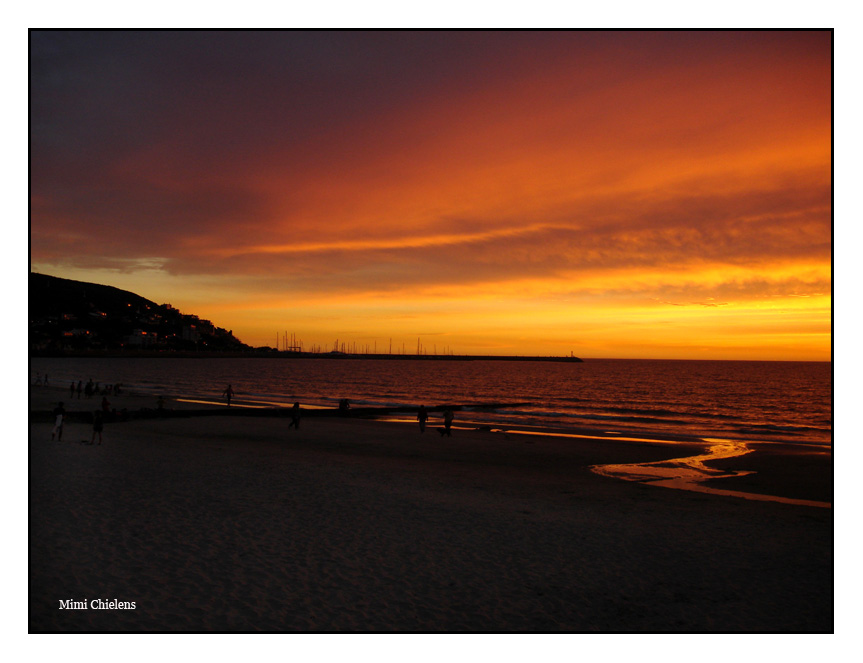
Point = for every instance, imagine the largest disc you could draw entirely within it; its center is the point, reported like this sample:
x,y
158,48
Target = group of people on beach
x,y
98,417
228,393
92,389
59,413
344,408
423,415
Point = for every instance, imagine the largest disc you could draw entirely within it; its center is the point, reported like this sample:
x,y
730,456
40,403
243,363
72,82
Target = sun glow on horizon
x,y
611,194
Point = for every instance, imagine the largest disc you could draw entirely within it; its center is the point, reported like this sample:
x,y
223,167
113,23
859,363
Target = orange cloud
x,y
491,187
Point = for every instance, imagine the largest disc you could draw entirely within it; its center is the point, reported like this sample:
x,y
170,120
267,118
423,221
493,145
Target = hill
x,y
68,315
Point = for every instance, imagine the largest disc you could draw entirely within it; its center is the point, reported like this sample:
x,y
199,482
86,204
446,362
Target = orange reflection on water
x,y
252,404
191,400
688,473
691,469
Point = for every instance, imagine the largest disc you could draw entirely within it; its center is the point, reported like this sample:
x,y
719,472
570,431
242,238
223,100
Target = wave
x,y
635,396
664,414
777,428
617,418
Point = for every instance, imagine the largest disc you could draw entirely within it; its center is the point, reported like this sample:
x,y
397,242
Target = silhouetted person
x,y
447,423
422,417
295,417
59,417
88,390
228,393
97,426
344,406
72,390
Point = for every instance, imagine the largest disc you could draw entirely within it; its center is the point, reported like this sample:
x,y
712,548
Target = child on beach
x,y
59,415
97,427
422,417
295,417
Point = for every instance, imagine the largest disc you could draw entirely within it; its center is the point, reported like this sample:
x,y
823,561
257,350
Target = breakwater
x,y
119,354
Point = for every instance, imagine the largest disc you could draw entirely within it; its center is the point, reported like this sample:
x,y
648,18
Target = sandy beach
x,y
226,523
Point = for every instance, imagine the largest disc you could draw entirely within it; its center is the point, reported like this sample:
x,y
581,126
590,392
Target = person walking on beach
x,y
59,416
228,393
295,417
447,423
72,390
422,417
97,427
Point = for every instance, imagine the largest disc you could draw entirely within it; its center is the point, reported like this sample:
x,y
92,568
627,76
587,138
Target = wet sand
x,y
225,523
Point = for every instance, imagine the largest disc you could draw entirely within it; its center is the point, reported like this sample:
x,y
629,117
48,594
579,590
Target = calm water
x,y
781,401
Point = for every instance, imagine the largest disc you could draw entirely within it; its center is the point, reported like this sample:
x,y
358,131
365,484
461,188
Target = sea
x,y
788,402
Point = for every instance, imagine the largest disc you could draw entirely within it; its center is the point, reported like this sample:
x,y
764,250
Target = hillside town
x,y
72,316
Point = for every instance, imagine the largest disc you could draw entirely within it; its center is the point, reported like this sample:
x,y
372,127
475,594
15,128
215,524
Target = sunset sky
x,y
610,194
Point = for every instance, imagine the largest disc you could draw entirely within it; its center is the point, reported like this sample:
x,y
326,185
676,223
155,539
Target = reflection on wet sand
x,y
689,473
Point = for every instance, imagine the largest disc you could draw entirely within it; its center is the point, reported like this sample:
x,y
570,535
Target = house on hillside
x,y
141,339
